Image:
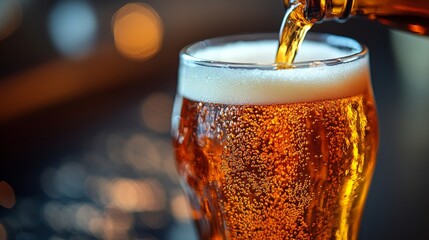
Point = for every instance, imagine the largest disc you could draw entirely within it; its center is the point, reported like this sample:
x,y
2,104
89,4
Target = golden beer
x,y
408,15
269,153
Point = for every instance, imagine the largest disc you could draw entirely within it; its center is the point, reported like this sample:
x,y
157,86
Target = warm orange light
x,y
115,225
180,209
137,31
417,29
7,195
141,153
137,195
125,194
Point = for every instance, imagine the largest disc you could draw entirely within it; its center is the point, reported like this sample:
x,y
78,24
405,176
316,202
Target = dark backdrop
x,y
83,128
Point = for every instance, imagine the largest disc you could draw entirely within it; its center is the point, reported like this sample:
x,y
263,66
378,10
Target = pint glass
x,y
267,151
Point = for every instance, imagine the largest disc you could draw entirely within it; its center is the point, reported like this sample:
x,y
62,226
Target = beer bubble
x,y
267,167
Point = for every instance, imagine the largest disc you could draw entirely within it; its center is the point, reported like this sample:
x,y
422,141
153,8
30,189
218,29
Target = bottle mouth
x,y
320,10
314,10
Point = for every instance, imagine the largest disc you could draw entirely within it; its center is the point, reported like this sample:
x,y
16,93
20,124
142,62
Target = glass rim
x,y
336,41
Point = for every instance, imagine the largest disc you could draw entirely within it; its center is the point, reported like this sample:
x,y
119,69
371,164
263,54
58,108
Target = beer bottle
x,y
409,15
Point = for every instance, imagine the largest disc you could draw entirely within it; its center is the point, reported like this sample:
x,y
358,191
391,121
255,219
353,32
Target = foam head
x,y
244,73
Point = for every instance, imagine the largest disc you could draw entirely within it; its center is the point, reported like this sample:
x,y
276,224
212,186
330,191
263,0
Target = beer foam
x,y
235,85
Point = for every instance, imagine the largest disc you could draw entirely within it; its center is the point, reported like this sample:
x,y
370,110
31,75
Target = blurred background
x,y
86,91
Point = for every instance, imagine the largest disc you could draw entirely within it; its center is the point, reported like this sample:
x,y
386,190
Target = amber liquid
x,y
408,15
289,171
292,34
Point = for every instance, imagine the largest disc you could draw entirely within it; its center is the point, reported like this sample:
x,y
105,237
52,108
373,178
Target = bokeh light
x,y
97,189
125,194
137,30
137,195
73,27
10,17
116,224
168,162
154,220
141,153
69,179
85,215
28,212
3,233
114,145
124,186
48,184
180,208
7,195
156,112
55,216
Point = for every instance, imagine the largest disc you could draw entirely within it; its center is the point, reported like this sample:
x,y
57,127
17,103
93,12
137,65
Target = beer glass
x,y
269,151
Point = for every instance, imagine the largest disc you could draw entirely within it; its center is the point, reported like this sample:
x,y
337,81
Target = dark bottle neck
x,y
409,15
319,10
